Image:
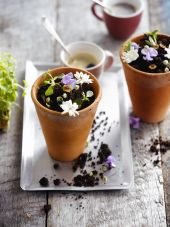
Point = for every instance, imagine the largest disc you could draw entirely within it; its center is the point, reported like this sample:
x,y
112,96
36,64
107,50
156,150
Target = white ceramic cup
x,y
104,57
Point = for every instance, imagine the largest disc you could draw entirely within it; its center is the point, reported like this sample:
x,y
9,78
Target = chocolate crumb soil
x,y
80,162
163,145
56,165
103,153
44,182
84,180
159,145
52,93
156,162
56,182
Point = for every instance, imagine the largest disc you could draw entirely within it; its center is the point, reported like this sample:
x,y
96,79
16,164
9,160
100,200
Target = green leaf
x,y
46,82
153,37
149,43
24,93
49,91
79,102
127,46
25,83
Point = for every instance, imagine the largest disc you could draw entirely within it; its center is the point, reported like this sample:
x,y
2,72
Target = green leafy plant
x,y
8,87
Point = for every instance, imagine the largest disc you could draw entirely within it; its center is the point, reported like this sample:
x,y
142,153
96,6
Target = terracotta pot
x,y
65,136
149,92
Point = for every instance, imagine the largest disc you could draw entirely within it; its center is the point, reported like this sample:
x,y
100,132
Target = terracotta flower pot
x,y
65,136
149,92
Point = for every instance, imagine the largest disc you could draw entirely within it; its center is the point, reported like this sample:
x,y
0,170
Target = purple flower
x,y
134,122
149,53
68,80
111,161
135,46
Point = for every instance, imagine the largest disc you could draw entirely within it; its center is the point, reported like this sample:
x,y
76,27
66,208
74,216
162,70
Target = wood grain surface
x,y
21,34
159,19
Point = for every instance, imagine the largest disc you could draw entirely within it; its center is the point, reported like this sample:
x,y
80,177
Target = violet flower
x,y
111,161
68,80
134,122
149,53
135,46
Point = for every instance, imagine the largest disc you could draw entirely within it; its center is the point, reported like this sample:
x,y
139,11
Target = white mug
x,y
104,58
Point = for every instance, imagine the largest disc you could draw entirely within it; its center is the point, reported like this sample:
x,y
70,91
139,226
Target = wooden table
x,y
148,203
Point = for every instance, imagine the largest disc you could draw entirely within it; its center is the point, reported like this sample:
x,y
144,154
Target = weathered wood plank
x,y
159,18
164,128
22,35
144,204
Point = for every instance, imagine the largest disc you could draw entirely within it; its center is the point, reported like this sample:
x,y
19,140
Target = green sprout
x,y
127,46
50,81
152,36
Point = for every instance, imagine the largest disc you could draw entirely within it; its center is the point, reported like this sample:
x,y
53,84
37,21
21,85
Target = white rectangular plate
x,y
36,163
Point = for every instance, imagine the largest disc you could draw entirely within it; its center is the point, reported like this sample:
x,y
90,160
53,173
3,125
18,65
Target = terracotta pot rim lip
x,y
139,71
37,103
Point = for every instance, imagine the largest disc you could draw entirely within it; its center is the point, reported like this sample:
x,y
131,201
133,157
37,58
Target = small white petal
x,y
130,55
89,94
165,62
166,69
82,78
168,52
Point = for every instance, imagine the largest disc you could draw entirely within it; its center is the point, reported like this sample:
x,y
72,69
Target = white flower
x,y
82,78
168,52
166,69
165,62
70,108
89,94
130,55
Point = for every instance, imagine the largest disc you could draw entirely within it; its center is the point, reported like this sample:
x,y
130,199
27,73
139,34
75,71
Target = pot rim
x,y
163,74
43,108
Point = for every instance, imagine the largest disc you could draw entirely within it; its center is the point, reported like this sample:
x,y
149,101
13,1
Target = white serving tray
x,y
36,163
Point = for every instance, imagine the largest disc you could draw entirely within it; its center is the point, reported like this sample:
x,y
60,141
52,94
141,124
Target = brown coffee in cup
x,y
122,8
83,60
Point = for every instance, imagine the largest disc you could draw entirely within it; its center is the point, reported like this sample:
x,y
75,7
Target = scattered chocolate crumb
x,y
80,162
163,144
153,149
56,166
103,153
156,162
163,150
56,182
109,129
44,182
47,208
85,180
